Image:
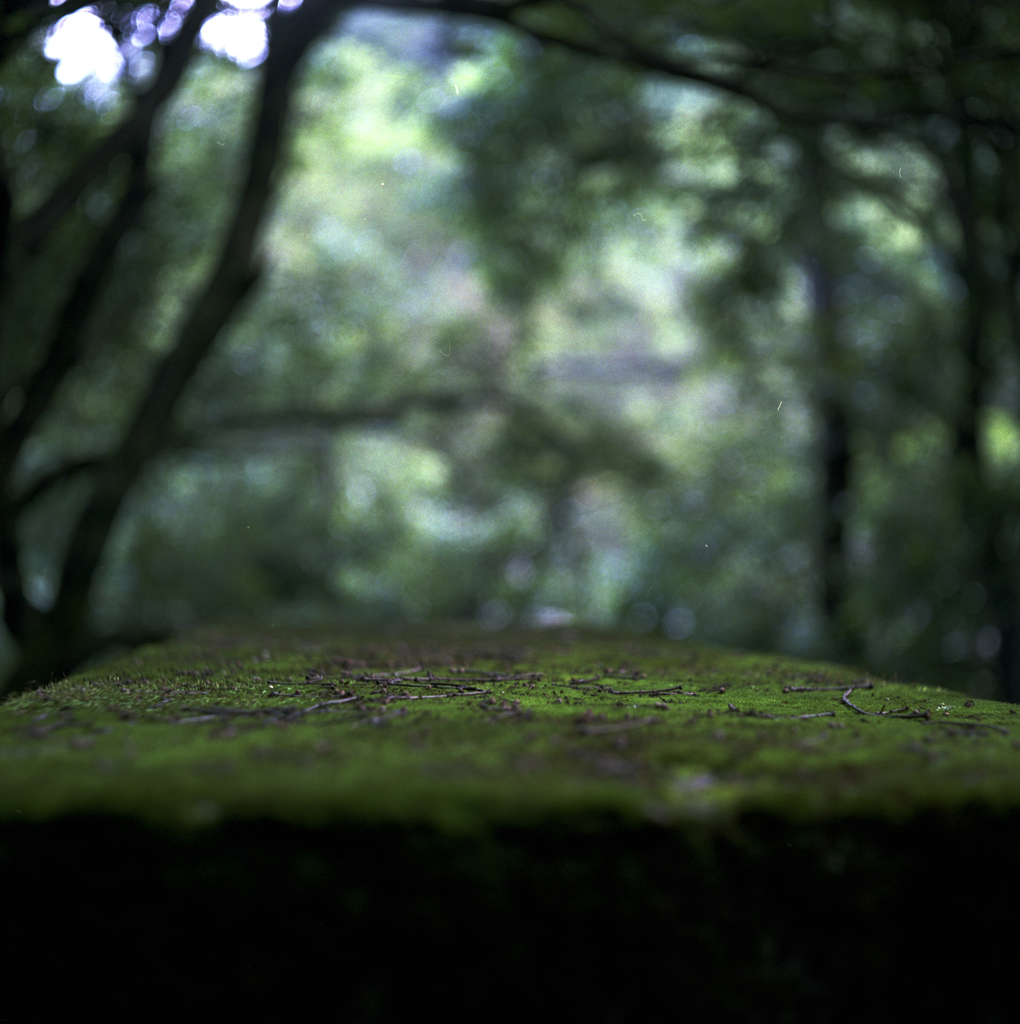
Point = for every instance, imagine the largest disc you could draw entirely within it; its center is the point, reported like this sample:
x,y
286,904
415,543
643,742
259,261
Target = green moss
x,y
470,731
562,841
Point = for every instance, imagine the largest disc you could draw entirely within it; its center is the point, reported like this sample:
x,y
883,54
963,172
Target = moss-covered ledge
x,y
624,826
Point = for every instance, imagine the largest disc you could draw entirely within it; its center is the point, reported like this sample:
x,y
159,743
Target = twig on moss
x,y
449,680
924,716
405,682
383,677
460,684
216,711
497,675
665,689
434,696
812,689
763,714
322,704
882,714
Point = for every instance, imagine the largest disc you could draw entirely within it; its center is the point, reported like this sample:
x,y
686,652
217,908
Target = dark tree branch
x,y
604,43
236,273
66,348
16,607
332,419
55,476
276,421
607,45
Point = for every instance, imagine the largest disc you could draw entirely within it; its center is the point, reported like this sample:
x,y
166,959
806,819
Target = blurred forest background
x,y
698,320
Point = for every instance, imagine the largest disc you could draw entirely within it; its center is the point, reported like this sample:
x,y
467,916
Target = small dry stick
x,y
812,689
215,711
498,675
449,680
342,700
925,716
215,714
373,677
763,714
212,714
435,696
881,714
665,689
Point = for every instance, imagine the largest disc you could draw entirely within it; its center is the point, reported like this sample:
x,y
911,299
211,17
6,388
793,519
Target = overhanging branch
x,y
604,42
232,279
286,420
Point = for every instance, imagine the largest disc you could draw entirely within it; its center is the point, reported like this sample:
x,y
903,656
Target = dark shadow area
x,y
843,921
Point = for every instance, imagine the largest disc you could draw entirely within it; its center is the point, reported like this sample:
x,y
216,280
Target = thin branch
x,y
55,476
923,715
457,681
667,689
435,696
280,420
762,714
66,346
841,686
329,419
609,46
882,714
214,714
325,703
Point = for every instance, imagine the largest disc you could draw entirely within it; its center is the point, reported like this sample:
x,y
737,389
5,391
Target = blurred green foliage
x,y
611,271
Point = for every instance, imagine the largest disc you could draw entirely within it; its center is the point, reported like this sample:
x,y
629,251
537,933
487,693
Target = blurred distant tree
x,y
912,106
55,639
85,202
557,148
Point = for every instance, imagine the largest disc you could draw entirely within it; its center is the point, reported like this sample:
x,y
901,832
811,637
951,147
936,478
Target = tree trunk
x,y
58,639
830,407
982,506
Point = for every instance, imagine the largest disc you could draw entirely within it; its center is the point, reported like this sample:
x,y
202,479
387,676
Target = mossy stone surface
x,y
241,823
464,731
